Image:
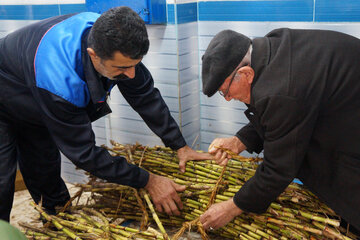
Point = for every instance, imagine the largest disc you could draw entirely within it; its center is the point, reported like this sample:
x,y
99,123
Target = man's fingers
x,y
218,155
178,188
224,162
166,207
203,217
178,201
173,208
206,225
223,156
175,196
212,148
182,166
158,207
203,156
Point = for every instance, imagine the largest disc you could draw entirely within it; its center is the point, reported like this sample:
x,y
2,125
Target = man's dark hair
x,y
119,29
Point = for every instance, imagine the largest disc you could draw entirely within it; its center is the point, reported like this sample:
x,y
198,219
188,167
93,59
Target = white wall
x,y
174,59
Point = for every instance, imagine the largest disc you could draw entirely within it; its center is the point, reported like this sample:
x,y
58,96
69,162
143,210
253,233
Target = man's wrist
x,y
181,149
238,144
151,178
235,210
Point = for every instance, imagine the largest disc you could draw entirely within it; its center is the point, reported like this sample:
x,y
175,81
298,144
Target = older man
x,y
302,90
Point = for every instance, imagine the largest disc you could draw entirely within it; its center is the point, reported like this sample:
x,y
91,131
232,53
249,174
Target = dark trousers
x,y
39,159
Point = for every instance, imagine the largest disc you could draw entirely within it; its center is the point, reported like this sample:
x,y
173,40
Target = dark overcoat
x,y
305,114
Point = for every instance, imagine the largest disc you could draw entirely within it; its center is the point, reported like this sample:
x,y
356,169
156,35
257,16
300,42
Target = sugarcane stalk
x,y
68,232
156,218
330,231
44,231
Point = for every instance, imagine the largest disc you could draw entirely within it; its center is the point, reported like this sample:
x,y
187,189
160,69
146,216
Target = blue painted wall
x,y
273,10
280,10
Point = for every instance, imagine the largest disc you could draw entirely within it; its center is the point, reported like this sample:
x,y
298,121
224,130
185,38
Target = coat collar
x,y
260,57
94,80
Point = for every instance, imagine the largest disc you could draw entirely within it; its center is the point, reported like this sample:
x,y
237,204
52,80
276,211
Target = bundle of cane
x,y
296,214
84,223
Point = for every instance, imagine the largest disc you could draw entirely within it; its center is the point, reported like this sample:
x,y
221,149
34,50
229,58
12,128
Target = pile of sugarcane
x,y
296,214
86,223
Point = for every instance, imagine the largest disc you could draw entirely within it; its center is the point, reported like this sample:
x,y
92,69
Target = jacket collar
x,y
94,80
260,58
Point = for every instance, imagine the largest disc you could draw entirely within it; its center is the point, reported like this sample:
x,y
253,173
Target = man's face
x,y
117,68
238,85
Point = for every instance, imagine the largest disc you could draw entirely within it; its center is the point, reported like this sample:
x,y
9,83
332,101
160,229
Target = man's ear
x,y
91,52
248,72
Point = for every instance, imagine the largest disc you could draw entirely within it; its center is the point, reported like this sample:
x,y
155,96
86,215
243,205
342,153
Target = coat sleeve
x,y
250,138
70,128
288,126
146,100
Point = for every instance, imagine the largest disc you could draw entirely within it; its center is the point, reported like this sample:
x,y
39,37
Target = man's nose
x,y
130,72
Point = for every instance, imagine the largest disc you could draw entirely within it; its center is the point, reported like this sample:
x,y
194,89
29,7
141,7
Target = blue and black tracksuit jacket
x,y
47,79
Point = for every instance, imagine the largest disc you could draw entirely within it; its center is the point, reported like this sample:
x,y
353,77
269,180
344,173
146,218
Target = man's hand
x,y
163,192
233,144
219,214
187,153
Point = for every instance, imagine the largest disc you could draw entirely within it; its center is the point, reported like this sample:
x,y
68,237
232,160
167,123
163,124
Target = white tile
x,y
161,31
189,87
187,30
218,100
129,125
168,46
163,75
160,60
189,74
131,138
190,101
189,115
223,126
223,114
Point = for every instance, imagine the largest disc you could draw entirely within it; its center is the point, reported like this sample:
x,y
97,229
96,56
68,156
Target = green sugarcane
x,y
133,230
155,217
81,227
46,232
293,201
330,231
56,224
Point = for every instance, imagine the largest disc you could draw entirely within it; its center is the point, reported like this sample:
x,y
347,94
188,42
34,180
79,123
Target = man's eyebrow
x,y
124,67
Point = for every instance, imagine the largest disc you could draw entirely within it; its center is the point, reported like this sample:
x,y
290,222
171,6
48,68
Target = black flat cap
x,y
222,56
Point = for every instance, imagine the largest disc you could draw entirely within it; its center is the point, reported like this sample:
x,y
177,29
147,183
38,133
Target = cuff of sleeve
x,y
251,144
143,179
177,144
249,206
248,145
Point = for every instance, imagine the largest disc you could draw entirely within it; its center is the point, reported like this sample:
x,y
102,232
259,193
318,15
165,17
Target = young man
x,y
55,76
303,95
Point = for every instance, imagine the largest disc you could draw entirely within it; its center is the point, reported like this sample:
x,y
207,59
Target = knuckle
x,y
163,198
